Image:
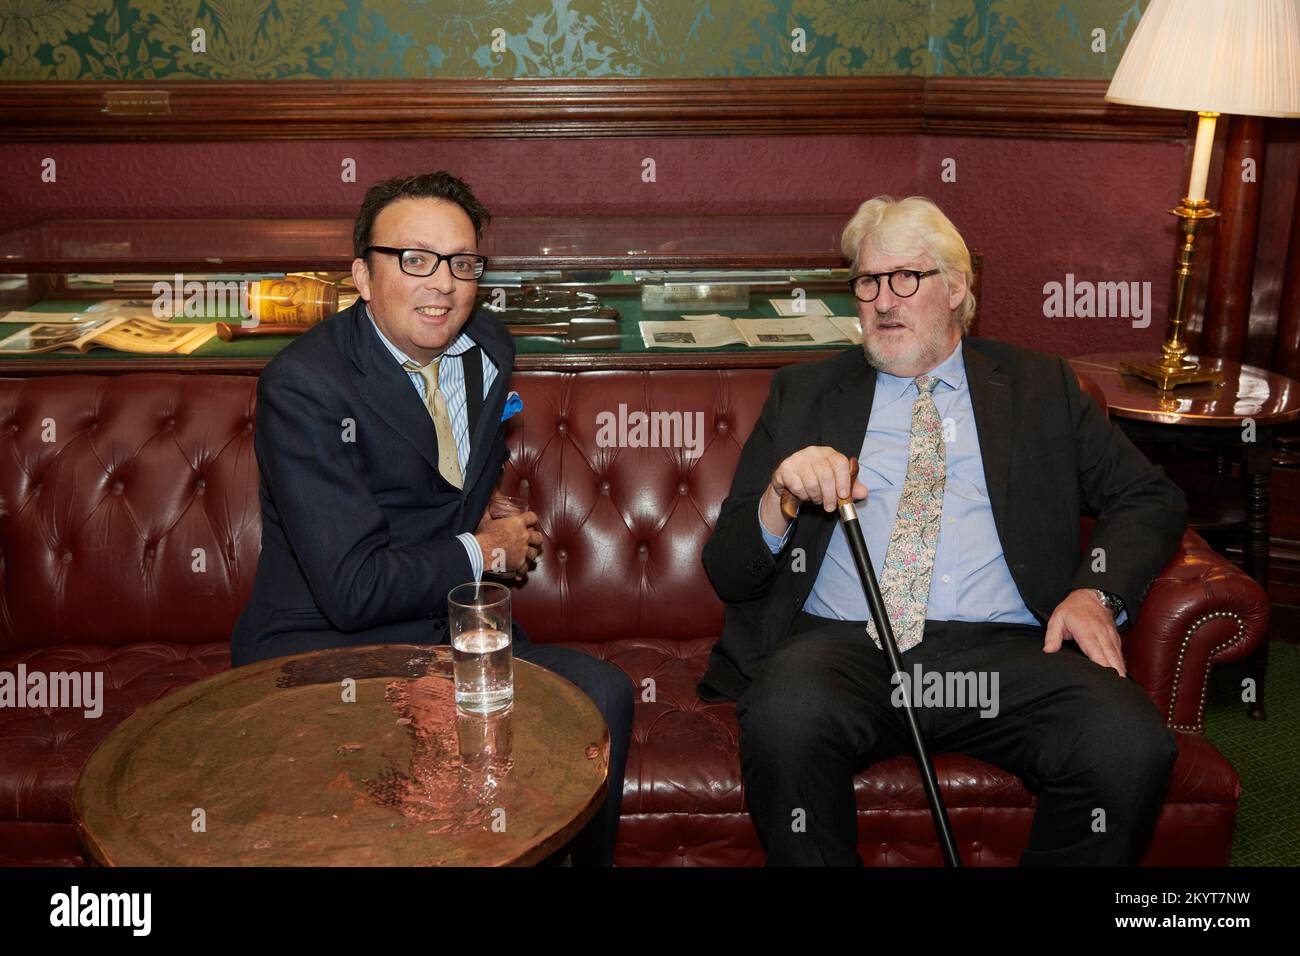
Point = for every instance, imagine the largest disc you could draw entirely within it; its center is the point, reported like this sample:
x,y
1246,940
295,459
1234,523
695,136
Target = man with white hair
x,y
977,459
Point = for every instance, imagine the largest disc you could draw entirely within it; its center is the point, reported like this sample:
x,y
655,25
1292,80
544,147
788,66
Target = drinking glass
x,y
502,506
482,665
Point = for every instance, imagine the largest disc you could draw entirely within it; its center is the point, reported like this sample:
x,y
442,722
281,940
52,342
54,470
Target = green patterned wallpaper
x,y
376,39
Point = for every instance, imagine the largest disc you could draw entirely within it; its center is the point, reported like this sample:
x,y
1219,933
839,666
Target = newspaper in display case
x,y
702,332
800,307
782,333
103,309
125,334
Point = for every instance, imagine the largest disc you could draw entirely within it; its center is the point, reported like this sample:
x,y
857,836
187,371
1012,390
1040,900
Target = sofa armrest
x,y
1200,610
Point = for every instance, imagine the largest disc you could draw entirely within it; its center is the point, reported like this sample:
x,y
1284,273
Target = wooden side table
x,y
280,769
1217,416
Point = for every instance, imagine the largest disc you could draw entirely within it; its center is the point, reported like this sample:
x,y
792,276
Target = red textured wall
x,y
1036,209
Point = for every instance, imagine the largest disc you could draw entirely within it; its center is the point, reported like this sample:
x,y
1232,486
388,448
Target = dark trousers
x,y
1089,742
613,694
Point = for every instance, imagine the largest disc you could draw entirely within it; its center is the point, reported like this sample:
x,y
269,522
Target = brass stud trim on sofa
x,y
1199,726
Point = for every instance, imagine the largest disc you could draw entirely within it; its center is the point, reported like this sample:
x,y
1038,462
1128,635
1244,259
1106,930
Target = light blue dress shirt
x,y
970,580
451,382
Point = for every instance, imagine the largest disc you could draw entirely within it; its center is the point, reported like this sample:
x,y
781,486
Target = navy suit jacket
x,y
358,525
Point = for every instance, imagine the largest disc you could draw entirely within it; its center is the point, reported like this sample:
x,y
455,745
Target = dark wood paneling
x,y
1039,108
1288,322
75,111
1281,176
1227,307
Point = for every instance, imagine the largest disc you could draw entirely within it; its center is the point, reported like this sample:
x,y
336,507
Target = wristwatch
x,y
1112,602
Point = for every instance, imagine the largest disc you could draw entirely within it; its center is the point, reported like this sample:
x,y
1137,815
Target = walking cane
x,y
858,545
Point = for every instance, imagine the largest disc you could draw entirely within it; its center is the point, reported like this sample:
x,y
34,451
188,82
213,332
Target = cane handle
x,y
790,504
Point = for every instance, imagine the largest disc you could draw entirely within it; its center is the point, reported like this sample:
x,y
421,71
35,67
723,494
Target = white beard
x,y
926,351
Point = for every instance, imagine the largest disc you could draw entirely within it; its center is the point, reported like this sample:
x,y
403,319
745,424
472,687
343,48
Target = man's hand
x,y
514,539
818,473
1086,621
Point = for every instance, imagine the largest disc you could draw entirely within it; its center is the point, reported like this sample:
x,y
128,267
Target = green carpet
x,y
1266,755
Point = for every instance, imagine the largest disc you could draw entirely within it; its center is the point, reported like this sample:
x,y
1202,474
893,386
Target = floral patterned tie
x,y
909,559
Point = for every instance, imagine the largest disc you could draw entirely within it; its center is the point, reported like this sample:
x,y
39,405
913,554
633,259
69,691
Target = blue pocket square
x,y
514,405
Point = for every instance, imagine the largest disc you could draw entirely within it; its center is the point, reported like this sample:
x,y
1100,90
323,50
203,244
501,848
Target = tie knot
x,y
926,383
427,372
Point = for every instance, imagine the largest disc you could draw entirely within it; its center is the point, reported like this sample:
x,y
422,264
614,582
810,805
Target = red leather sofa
x,y
110,483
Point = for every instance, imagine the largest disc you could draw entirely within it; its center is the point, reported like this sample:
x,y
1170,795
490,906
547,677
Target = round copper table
x,y
1251,402
271,764
1265,397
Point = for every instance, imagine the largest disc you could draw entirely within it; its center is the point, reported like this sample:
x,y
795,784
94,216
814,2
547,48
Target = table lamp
x,y
1211,56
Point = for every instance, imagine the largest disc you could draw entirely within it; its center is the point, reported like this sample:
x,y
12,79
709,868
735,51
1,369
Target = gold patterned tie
x,y
909,559
436,402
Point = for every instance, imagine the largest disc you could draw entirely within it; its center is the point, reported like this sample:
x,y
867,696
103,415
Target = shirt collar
x,y
951,372
462,342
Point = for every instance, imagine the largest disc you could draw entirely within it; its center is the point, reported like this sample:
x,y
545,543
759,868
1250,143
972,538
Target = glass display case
x,y
632,292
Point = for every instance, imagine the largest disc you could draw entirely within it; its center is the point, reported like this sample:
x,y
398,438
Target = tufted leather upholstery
x,y
131,531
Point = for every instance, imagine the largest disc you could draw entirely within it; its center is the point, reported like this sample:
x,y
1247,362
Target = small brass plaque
x,y
137,101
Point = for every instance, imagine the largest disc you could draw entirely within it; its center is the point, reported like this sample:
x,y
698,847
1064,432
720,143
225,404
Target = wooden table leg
x,y
1255,553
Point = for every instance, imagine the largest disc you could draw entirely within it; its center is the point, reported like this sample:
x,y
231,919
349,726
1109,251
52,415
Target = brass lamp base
x,y
1172,367
1170,376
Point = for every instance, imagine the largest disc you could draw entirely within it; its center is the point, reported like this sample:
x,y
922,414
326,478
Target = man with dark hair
x,y
380,439
440,185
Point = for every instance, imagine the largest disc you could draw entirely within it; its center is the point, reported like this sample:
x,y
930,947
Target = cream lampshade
x,y
1211,56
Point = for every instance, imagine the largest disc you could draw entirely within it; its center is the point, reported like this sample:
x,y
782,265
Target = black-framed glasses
x,y
425,262
902,282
